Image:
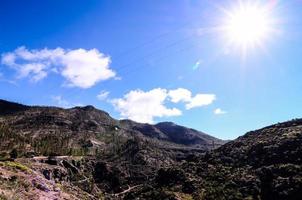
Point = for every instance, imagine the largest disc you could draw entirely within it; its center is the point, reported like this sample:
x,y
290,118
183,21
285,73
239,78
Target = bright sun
x,y
248,25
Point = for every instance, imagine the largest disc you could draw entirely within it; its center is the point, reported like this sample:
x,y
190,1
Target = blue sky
x,y
152,61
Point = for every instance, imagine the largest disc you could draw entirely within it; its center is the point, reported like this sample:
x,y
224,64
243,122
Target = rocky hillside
x,y
83,153
87,126
90,150
263,164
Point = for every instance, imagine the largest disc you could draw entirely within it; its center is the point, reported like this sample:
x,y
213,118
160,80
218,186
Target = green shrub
x,y
16,165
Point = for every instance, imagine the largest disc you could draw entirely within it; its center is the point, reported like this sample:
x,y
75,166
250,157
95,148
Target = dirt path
x,y
46,157
126,191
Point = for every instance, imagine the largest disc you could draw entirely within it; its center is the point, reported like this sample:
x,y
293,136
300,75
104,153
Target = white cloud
x,y
180,94
143,106
85,68
81,68
103,95
184,95
200,100
35,70
219,111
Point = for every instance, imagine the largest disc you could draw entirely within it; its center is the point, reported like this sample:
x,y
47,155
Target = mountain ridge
x,y
83,153
96,116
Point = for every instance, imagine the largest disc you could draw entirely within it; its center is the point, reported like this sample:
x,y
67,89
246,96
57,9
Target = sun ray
x,y
248,25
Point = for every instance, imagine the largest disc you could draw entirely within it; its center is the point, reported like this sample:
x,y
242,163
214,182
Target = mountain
x,y
112,153
262,164
7,107
72,124
83,153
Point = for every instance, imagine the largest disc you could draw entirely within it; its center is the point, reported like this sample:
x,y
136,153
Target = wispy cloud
x,y
197,65
219,111
80,68
61,102
3,79
103,95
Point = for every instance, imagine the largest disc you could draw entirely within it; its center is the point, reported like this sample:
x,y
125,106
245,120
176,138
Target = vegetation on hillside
x,y
52,151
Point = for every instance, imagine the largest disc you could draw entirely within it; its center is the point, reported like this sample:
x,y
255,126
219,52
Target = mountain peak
x,y
88,107
80,120
165,124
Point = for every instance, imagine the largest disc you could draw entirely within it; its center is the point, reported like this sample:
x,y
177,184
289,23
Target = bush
x,y
16,165
170,176
14,154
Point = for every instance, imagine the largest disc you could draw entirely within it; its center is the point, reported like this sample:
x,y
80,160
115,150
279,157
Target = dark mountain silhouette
x,y
7,107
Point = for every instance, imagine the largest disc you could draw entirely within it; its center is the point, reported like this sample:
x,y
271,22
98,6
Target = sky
x,y
153,61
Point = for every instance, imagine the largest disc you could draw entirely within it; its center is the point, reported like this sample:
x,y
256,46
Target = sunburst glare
x,y
248,25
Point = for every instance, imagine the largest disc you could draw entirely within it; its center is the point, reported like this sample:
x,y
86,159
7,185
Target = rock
x,y
52,160
47,174
41,186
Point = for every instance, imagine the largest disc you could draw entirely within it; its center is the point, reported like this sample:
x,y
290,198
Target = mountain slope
x,y
263,164
84,149
266,163
90,155
7,107
80,125
183,135
272,145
